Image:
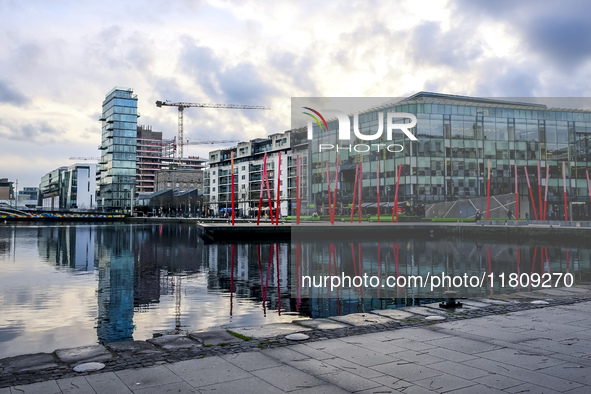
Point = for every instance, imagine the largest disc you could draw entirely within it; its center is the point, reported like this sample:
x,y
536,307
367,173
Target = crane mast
x,y
181,109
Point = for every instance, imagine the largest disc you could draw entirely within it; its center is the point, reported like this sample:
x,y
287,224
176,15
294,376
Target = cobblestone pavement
x,y
524,343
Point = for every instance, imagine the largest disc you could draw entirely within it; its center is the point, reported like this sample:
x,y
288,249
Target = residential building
x,y
117,172
248,171
66,188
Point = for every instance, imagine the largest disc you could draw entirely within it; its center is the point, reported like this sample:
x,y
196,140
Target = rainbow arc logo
x,y
316,119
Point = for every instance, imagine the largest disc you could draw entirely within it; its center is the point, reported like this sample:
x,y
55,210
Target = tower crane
x,y
181,108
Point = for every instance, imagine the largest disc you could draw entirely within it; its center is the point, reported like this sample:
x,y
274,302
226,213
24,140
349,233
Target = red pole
x,y
488,194
564,185
278,191
336,183
398,171
540,192
378,177
268,192
232,169
546,192
261,195
354,192
329,196
360,187
298,190
516,196
533,202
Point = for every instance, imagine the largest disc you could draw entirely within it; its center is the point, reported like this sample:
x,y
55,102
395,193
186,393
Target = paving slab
x,y
169,388
288,378
362,319
49,387
28,362
132,348
214,337
77,385
350,382
82,354
251,361
408,372
395,314
174,342
250,385
270,330
207,371
444,383
107,382
320,324
147,377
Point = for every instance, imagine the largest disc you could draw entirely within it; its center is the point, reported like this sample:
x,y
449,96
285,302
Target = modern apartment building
x,y
72,187
248,170
117,172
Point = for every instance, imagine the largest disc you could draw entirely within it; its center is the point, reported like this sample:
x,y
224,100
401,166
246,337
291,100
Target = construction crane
x,y
181,107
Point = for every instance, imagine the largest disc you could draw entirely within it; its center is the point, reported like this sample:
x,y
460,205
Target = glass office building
x,y
457,136
117,166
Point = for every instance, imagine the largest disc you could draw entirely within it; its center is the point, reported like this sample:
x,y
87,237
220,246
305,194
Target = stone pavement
x,y
543,349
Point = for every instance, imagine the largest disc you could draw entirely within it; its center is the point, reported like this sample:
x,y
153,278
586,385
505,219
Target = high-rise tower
x,y
117,167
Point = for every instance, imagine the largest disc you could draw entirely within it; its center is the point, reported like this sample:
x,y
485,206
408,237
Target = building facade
x,y
152,150
456,137
66,188
6,189
248,171
117,171
179,179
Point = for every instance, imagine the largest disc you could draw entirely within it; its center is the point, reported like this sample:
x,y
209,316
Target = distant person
x,y
509,214
527,216
478,216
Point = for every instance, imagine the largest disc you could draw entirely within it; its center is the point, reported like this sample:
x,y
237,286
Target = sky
x,y
58,59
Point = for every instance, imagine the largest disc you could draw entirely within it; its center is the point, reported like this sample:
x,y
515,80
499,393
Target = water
x,y
74,285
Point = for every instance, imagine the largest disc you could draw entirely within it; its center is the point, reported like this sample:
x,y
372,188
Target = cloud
x,y
10,95
40,132
560,33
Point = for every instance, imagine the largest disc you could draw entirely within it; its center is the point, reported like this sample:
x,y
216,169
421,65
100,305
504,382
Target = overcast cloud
x,y
60,58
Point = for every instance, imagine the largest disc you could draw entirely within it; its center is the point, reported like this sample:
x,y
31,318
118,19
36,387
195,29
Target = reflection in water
x,y
64,286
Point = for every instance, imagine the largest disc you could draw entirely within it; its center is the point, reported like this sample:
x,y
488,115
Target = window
x,y
214,172
213,190
243,168
243,177
243,187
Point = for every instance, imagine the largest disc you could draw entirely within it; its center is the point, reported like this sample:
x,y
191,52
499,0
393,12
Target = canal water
x,y
73,285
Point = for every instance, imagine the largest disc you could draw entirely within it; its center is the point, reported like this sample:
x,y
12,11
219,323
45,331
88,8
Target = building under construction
x,y
155,154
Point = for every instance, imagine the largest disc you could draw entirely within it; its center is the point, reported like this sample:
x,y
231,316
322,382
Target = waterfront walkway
x,y
538,348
